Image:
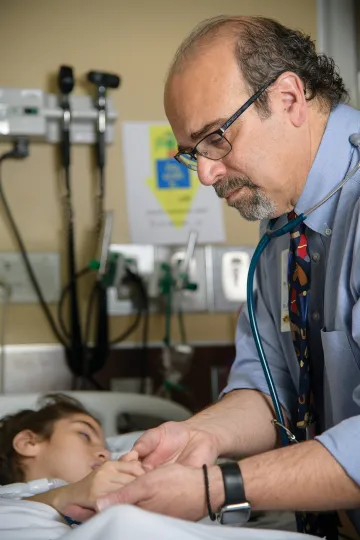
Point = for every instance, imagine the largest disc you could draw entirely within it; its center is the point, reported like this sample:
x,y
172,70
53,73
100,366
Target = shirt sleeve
x,y
342,353
246,371
342,441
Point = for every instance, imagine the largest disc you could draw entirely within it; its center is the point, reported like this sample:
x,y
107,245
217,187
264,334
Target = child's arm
x,y
78,500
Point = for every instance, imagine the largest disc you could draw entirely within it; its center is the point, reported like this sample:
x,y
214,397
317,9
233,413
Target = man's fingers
x,y
133,493
133,468
122,480
157,447
130,456
147,443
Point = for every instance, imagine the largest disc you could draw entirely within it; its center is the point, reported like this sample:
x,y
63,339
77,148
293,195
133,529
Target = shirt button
x,y
316,316
328,231
316,257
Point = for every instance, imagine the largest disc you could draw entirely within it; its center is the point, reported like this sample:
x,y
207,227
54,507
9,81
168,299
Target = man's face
x,y
75,448
260,176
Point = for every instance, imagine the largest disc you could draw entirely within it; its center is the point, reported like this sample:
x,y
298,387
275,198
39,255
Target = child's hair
x,y
52,407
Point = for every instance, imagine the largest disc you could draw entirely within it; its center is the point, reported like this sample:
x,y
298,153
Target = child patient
x,y
60,440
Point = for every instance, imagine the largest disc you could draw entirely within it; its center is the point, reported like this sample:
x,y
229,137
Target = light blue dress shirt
x,y
333,232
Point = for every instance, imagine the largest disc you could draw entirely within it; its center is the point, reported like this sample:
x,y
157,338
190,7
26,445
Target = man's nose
x,y
210,171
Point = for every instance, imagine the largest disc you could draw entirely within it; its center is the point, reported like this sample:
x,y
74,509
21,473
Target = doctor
x,y
284,151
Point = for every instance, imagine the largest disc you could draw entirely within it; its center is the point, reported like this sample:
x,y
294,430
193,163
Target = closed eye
x,y
216,140
85,436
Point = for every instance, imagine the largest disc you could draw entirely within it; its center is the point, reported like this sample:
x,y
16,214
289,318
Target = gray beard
x,y
254,206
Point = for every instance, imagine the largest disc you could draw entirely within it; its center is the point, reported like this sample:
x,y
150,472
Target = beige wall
x,y
136,39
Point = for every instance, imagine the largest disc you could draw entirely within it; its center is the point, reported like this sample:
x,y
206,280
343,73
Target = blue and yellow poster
x,y
165,199
172,183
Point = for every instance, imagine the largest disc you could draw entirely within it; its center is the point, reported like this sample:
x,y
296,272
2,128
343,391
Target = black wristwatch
x,y
236,510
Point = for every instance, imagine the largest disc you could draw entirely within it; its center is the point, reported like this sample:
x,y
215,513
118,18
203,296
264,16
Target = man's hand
x,y
177,442
237,426
174,490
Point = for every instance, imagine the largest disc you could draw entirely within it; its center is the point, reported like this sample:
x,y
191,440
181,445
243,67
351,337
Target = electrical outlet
x,y
234,269
141,260
190,301
220,274
5,292
230,266
46,268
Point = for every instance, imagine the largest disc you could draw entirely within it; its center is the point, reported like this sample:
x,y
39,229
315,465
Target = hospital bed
x,y
106,406
136,524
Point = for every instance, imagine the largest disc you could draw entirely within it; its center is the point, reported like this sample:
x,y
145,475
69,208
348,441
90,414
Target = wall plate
x,y
141,259
46,267
230,265
190,301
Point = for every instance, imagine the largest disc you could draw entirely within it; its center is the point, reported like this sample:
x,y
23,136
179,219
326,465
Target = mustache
x,y
226,186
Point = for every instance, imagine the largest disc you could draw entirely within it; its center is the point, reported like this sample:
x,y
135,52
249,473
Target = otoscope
x,y
75,350
102,81
97,357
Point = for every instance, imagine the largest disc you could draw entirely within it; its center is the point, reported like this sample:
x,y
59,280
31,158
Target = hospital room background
x,y
118,271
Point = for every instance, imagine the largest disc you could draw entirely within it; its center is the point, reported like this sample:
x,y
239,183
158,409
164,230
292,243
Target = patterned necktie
x,y
299,279
299,275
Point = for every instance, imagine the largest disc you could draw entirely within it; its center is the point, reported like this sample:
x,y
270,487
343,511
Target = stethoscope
x,y
287,436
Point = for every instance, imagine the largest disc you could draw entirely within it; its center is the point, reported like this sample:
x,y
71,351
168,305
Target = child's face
x,y
75,448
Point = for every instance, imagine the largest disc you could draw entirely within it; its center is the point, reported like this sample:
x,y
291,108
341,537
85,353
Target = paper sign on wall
x,y
165,200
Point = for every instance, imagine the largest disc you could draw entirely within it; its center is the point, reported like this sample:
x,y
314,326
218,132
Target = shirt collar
x,y
330,165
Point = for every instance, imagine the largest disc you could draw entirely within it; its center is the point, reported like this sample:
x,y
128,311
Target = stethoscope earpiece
x,y
355,139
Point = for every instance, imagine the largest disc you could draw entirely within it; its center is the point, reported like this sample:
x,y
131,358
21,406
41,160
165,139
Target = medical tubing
x,y
64,293
142,300
100,351
24,254
27,489
335,190
252,318
287,227
168,315
99,203
75,350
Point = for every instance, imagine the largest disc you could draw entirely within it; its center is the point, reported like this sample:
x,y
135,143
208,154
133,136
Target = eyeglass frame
x,y
221,130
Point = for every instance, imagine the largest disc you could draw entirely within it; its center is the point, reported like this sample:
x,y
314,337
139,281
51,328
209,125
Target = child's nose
x,y
103,454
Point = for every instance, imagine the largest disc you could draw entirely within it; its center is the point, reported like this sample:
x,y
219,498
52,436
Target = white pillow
x,y
122,444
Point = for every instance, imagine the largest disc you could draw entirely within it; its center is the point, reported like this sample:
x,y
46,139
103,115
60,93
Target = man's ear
x,y
27,443
291,97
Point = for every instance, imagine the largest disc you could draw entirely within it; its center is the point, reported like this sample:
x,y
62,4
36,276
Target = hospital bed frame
x,y
106,406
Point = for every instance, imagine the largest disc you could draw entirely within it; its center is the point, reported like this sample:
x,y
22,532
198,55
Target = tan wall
x,y
136,39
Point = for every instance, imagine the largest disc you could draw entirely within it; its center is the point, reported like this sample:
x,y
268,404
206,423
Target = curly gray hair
x,y
264,49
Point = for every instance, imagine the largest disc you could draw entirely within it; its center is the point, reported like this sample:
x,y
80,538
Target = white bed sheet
x,y
24,520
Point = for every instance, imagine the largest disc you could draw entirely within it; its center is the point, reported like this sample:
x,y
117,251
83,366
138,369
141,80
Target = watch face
x,y
235,514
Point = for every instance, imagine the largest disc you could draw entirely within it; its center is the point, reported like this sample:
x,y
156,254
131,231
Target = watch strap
x,y
233,483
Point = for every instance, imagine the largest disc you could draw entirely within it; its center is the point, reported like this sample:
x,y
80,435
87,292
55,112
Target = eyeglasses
x,y
215,146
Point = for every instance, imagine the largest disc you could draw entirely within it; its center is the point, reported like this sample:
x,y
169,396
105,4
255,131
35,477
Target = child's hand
x,y
130,456
109,477
78,500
